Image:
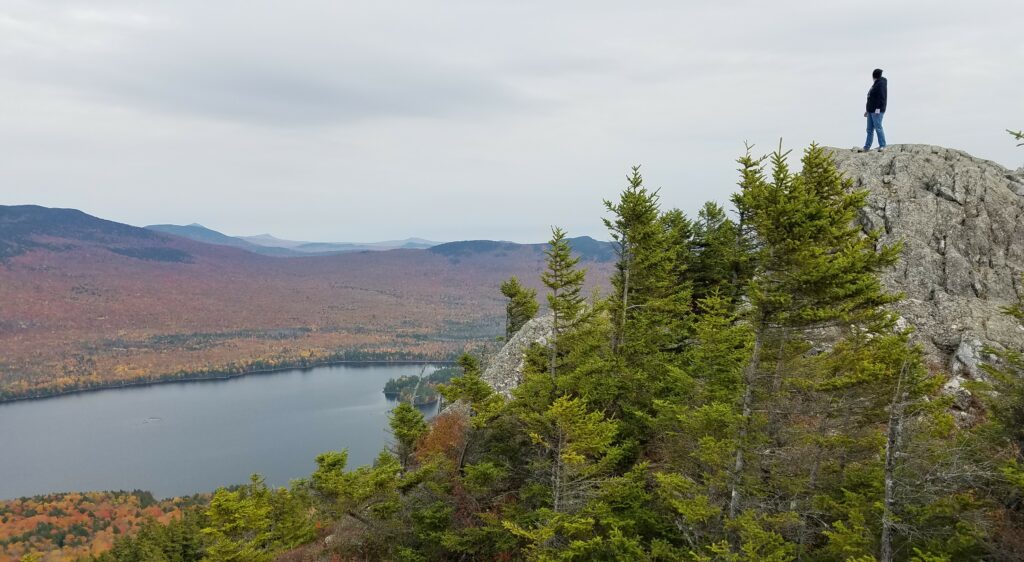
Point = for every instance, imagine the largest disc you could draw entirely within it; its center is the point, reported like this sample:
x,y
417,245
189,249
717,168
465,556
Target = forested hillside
x,y
742,393
89,303
65,527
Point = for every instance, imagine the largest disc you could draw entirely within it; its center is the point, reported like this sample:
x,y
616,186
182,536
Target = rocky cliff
x,y
960,220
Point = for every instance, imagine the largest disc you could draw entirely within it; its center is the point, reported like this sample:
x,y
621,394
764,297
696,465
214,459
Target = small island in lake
x,y
418,390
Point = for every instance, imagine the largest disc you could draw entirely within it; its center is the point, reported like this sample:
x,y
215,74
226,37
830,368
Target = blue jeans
x,y
875,124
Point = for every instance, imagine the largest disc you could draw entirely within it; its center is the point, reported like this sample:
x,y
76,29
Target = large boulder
x,y
961,221
505,370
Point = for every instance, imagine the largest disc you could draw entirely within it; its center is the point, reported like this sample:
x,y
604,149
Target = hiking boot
x,y
881,149
864,149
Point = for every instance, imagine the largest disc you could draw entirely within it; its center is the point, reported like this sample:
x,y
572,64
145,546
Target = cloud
x,y
222,70
465,118
283,95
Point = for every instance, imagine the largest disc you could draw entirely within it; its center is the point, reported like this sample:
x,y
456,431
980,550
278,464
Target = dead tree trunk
x,y
893,442
749,378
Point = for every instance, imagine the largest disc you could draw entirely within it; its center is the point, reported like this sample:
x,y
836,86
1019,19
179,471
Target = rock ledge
x,y
961,220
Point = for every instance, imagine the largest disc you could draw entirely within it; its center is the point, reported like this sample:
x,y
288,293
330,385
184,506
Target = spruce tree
x,y
649,299
720,260
696,432
368,494
407,426
471,389
846,423
521,307
680,232
813,268
576,452
289,513
565,284
240,524
649,306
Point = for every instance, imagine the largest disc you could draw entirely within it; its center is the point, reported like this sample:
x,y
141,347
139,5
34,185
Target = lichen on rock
x,y
505,370
960,220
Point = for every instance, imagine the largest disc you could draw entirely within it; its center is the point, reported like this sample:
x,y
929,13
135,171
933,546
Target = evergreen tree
x,y
680,232
407,426
471,389
720,259
179,540
721,347
650,302
813,268
696,432
1005,400
240,524
289,513
521,307
369,494
577,453
255,522
644,287
565,283
838,469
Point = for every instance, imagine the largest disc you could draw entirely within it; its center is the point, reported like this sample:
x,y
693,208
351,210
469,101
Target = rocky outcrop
x,y
505,370
961,220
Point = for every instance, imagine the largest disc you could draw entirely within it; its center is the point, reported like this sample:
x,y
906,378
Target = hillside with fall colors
x,y
89,303
64,527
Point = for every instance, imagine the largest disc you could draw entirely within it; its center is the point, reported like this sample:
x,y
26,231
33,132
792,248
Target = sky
x,y
358,121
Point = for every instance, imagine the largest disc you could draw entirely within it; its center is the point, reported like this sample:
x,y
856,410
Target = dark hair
x,y
877,73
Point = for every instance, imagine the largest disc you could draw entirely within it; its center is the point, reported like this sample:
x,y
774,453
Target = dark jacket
x,y
877,95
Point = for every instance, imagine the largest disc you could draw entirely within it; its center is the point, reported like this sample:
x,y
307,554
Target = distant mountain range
x,y
87,302
585,247
270,245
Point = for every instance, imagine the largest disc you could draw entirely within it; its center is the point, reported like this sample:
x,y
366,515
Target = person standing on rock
x,y
877,96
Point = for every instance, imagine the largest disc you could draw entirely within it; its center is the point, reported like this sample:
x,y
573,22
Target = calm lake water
x,y
182,438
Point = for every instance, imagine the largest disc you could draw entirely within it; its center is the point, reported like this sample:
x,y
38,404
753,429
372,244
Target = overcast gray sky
x,y
356,121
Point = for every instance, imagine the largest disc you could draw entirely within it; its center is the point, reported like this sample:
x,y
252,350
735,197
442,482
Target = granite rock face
x,y
961,220
505,370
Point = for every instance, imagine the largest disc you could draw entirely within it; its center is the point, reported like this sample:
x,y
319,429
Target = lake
x,y
181,438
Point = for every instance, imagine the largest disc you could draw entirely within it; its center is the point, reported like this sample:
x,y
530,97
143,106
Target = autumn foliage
x,y
65,527
447,437
79,311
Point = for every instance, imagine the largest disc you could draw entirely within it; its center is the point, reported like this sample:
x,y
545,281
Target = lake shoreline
x,y
176,440
222,377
